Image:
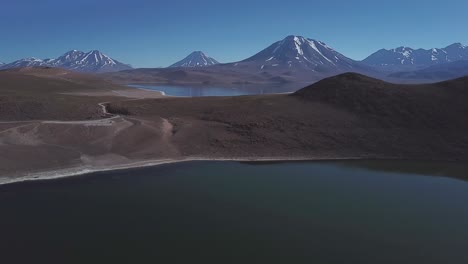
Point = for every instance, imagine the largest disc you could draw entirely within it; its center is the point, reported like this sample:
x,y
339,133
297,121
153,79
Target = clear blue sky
x,y
158,33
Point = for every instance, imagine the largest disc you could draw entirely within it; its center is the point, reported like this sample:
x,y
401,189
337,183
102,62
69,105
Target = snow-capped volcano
x,y
299,52
93,61
195,59
422,57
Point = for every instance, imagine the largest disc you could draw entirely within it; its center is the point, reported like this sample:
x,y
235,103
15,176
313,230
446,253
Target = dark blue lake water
x,y
196,91
229,212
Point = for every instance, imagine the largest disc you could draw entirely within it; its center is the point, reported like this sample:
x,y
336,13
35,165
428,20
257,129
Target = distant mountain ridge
x,y
445,71
410,56
195,59
92,61
26,62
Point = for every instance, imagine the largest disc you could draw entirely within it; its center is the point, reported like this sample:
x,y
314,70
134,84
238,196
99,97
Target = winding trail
x,y
95,122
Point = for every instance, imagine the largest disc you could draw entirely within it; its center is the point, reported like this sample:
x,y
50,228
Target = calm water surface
x,y
196,91
228,212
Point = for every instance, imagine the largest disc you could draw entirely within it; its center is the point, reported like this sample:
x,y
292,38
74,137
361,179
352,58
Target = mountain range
x,y
410,56
93,61
296,58
292,59
195,59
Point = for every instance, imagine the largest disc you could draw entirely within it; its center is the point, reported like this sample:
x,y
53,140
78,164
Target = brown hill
x,y
438,105
44,93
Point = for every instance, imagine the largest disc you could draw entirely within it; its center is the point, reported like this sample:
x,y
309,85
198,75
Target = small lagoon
x,y
197,91
231,212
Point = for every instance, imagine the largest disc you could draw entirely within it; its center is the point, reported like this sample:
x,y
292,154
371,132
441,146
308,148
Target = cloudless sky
x,y
157,33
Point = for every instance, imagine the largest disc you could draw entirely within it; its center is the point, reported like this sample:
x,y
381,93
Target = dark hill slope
x,y
439,106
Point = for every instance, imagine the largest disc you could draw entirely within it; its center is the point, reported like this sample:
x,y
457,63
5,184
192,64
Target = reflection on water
x,y
229,212
458,170
197,91
433,168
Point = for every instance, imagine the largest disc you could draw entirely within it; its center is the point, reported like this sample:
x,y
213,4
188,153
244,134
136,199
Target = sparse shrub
x,y
117,110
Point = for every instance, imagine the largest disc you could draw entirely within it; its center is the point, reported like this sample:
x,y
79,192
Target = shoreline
x,y
133,86
84,170
148,90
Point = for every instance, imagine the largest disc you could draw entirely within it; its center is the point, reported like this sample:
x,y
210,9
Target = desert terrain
x,y
56,122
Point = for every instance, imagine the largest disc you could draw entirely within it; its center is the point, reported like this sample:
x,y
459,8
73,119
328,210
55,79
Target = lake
x,y
230,212
197,91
